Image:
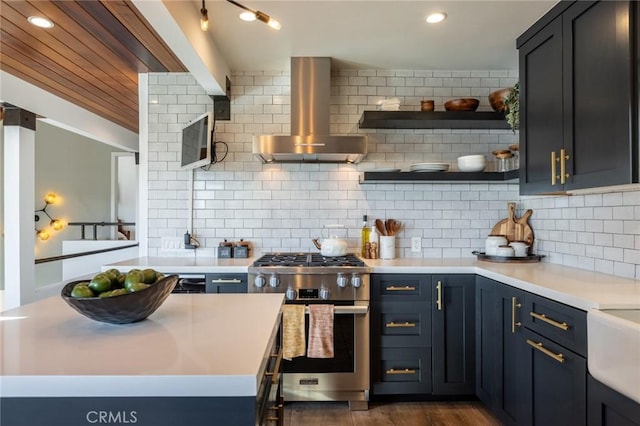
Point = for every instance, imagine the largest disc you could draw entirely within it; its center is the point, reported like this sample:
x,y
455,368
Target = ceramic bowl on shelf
x,y
124,309
472,163
463,104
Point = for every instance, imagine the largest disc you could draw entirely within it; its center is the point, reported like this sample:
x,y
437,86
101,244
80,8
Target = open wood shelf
x,y
417,177
433,120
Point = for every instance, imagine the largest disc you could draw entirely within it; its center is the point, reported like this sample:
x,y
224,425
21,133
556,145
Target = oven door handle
x,y
346,310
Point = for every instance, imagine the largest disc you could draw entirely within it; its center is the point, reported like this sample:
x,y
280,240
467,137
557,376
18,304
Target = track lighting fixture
x,y
251,15
204,18
55,224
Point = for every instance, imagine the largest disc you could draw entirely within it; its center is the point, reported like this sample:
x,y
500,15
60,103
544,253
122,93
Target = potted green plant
x,y
512,106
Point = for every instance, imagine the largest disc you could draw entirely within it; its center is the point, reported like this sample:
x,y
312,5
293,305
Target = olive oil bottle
x,y
364,236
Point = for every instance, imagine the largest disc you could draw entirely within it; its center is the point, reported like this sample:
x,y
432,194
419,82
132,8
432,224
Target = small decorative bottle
x,y
364,252
374,240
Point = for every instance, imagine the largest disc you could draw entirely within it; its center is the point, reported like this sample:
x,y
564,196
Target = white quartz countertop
x,y
193,345
575,287
184,265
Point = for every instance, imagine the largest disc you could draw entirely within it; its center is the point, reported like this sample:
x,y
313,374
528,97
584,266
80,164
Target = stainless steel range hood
x,y
310,141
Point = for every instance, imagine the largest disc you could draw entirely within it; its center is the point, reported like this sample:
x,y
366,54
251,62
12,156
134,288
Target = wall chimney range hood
x,y
310,141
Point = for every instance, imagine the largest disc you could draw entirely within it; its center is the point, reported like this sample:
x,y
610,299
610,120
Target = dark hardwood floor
x,y
389,414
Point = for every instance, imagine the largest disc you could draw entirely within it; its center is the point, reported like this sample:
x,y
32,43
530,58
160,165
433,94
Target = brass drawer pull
x,y
553,167
276,369
439,298
538,346
400,324
405,371
542,317
514,305
563,173
405,288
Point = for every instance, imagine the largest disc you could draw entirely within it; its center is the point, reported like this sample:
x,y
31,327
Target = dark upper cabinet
x,y
578,104
453,318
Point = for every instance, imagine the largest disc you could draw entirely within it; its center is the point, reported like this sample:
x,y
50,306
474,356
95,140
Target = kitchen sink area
x,y
614,349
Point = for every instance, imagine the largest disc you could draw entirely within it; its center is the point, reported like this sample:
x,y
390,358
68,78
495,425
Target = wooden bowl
x,y
464,104
426,105
496,99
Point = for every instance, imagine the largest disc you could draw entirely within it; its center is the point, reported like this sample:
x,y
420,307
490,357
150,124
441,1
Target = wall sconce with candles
x,y
55,224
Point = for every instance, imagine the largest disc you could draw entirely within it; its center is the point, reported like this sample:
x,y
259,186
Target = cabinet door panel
x,y
609,408
556,390
453,334
541,120
486,338
598,91
510,356
400,287
401,371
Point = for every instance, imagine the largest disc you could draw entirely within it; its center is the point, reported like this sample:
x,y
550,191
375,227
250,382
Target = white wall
x,y
78,170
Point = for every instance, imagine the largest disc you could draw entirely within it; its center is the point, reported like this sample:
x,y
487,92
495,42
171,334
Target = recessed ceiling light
x,y
39,21
434,18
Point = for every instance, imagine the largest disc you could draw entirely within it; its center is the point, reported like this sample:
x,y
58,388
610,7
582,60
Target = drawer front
x,y
226,283
563,324
401,324
402,371
400,287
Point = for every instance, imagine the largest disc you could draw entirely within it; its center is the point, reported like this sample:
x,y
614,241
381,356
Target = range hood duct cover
x,y
310,140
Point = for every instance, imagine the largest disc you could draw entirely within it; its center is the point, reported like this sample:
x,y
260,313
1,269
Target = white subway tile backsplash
x,y
279,207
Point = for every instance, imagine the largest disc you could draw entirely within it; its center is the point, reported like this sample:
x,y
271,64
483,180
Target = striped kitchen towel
x,y
293,340
320,331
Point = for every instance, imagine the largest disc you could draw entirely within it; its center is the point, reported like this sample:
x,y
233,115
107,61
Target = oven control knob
x,y
274,281
356,280
342,281
290,294
259,281
325,294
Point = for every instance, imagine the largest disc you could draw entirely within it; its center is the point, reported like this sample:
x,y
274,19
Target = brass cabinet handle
x,y
514,305
439,296
405,371
276,369
553,167
563,172
405,288
538,346
542,317
400,324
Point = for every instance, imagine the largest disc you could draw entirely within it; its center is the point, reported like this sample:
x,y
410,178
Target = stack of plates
x,y
429,167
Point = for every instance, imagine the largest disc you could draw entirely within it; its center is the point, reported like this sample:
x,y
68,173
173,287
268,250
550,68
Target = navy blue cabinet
x,y
400,334
453,317
606,407
578,88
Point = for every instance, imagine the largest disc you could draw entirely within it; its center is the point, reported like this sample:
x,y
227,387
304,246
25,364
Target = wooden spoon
x,y
380,227
387,226
396,226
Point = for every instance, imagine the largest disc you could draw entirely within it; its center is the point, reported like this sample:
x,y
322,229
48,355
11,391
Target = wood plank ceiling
x,y
91,57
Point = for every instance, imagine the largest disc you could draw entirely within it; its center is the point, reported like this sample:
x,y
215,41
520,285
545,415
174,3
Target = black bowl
x,y
124,309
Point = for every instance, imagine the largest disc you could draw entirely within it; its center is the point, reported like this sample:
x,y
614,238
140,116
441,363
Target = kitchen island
x,y
199,359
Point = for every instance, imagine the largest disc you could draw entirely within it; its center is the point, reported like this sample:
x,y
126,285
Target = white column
x,y
142,221
19,206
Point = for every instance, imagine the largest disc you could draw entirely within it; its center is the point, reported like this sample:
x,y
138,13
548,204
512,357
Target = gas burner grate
x,y
307,259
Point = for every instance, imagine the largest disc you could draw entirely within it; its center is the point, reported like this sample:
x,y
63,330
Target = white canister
x,y
505,251
520,248
492,242
387,247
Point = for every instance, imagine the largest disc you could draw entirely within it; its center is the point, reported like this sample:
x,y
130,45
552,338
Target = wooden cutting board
x,y
515,229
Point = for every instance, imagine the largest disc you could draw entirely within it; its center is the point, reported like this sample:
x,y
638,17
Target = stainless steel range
x,y
343,281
